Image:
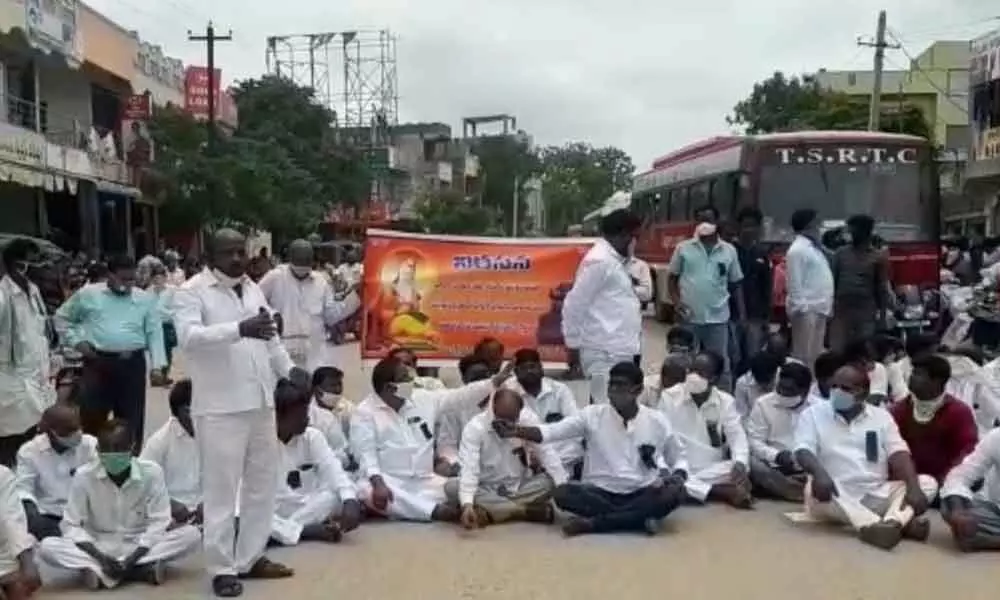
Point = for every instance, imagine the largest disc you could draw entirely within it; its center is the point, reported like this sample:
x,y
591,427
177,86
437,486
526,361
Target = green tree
x,y
578,178
504,161
450,212
781,103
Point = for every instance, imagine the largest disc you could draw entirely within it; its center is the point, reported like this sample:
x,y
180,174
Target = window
x,y
699,195
852,79
678,205
661,207
724,195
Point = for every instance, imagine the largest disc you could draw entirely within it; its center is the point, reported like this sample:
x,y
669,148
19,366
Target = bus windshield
x,y
895,192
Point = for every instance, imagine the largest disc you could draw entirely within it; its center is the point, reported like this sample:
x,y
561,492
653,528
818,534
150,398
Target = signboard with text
x,y
136,140
196,91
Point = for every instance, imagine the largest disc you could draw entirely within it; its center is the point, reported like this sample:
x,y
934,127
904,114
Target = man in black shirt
x,y
755,263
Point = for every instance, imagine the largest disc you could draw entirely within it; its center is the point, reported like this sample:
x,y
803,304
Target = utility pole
x,y
875,106
210,38
517,205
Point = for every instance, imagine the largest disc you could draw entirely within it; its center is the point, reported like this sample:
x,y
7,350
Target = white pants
x,y
237,447
596,365
883,504
413,498
291,517
808,335
63,553
700,483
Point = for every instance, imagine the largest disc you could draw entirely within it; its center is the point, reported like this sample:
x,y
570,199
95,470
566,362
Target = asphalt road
x,y
706,553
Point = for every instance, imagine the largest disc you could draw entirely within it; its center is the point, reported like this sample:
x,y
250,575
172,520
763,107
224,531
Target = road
x,y
711,552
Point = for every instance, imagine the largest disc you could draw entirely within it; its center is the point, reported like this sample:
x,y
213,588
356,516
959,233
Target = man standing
x,y
703,272
860,278
25,390
235,359
757,285
307,306
112,325
809,281
601,320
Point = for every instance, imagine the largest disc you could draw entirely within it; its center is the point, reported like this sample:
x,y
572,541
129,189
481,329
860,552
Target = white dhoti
x,y
596,365
239,467
295,514
63,553
700,483
413,498
886,503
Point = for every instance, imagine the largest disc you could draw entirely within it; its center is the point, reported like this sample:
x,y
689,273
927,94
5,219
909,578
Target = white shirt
x,y
983,462
878,380
601,311
450,425
117,519
229,373
554,403
307,306
639,269
25,389
329,424
690,422
809,280
898,374
771,426
14,536
613,459
44,476
840,446
319,469
178,456
489,461
978,388
401,444
177,277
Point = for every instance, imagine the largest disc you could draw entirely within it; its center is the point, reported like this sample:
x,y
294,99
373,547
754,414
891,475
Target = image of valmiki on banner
x,y
439,295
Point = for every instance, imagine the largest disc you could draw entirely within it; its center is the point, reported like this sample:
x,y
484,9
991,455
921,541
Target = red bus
x,y
891,177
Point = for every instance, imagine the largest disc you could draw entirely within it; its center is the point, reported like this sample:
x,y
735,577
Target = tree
x,y
502,161
781,103
450,212
578,178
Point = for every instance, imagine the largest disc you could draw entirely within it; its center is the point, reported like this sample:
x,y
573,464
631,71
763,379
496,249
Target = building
x,y
159,75
982,185
65,72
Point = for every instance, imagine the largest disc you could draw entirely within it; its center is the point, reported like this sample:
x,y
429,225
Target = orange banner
x,y
439,295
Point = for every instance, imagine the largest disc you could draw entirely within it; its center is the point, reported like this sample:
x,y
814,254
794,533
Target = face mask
x,y
70,441
226,280
841,400
695,384
788,401
300,272
924,410
331,401
116,463
404,389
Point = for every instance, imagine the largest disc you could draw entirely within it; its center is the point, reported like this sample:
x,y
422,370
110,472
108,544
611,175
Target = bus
x,y
892,177
591,224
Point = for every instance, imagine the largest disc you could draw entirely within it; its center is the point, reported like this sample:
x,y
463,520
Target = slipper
x,y
227,586
265,568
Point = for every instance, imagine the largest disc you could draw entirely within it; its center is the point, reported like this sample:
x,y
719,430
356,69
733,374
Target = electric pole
x,y
875,106
210,38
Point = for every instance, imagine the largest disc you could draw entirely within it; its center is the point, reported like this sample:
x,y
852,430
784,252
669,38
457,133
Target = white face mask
x,y
300,272
788,401
695,384
924,410
404,389
331,401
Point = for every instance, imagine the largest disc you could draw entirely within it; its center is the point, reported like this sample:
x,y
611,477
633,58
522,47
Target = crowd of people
x,y
851,426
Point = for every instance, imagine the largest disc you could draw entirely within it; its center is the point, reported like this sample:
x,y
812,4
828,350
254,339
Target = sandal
x,y
265,568
227,586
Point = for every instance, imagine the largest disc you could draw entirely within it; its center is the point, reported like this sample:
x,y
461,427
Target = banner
x,y
439,295
137,143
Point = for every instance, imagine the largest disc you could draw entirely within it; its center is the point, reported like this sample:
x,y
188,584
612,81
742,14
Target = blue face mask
x,y
841,400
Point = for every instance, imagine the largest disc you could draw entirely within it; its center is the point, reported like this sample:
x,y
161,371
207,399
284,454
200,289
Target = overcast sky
x,y
646,75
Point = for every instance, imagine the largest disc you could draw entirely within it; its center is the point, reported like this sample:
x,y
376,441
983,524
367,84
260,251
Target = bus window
x,y
661,207
724,195
678,205
699,195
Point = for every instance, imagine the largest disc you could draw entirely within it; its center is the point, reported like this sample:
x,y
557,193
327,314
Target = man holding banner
x,y
601,317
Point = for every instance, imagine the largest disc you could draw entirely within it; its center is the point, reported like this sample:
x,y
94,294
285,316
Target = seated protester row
x,y
633,469
392,438
316,499
706,420
174,449
849,448
673,372
939,429
771,433
452,420
330,412
498,481
974,518
117,522
19,578
46,465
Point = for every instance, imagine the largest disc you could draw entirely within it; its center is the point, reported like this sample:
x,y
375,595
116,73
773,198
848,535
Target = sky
x,y
648,76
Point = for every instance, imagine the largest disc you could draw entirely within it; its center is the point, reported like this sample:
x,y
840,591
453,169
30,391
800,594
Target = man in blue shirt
x,y
112,325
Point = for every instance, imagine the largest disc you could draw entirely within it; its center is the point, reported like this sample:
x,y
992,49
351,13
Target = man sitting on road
x,y
392,438
497,483
409,360
634,466
46,465
551,400
706,420
827,365
19,578
330,412
453,420
116,526
316,499
849,448
174,449
672,375
975,518
939,429
757,381
771,432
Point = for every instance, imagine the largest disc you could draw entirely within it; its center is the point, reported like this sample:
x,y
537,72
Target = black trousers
x,y
10,444
42,526
611,512
115,384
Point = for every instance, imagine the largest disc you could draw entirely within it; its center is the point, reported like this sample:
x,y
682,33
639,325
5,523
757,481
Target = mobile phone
x,y
871,446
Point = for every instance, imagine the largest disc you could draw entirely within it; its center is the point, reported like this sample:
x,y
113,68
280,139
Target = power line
x,y
210,39
875,106
915,66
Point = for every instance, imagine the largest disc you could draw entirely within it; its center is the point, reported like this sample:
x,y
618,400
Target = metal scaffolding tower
x,y
367,93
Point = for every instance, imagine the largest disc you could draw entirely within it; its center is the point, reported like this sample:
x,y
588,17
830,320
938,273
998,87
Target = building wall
x,y
67,95
108,45
162,76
